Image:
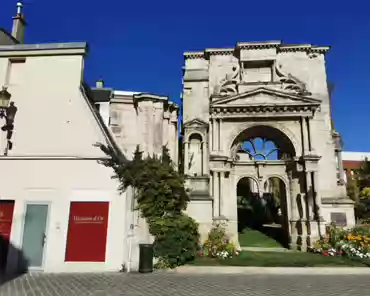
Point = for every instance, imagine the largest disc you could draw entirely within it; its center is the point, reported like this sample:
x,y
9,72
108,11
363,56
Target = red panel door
x,y
6,218
87,232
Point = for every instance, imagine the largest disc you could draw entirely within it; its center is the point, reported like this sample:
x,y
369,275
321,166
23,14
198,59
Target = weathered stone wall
x,y
225,91
151,124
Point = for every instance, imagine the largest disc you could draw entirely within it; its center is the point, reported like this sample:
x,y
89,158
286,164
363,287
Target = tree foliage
x,y
362,180
364,174
353,190
161,199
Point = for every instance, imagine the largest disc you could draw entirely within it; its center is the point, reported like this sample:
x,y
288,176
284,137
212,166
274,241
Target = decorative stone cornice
x,y
149,97
193,55
218,100
219,51
308,48
258,45
258,110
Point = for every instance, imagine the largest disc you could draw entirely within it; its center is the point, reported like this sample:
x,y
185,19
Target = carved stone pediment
x,y
263,97
196,122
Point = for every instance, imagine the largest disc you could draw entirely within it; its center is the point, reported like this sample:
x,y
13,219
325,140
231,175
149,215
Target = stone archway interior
x,y
277,222
248,202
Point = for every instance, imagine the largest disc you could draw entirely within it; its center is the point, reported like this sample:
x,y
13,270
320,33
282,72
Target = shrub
x,y
176,240
218,244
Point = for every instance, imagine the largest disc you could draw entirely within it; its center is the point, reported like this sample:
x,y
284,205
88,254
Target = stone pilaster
x,y
305,136
216,194
294,214
215,135
222,193
186,157
205,169
310,196
220,139
210,135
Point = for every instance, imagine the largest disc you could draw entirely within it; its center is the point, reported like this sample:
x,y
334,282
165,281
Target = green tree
x,y
363,205
353,190
364,174
161,199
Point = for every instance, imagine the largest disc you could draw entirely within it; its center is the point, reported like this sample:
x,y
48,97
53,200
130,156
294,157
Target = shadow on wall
x,y
5,249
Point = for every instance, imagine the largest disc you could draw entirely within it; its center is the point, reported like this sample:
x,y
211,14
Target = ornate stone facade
x,y
275,92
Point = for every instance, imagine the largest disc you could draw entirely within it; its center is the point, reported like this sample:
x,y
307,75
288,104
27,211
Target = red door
x,y
87,232
6,218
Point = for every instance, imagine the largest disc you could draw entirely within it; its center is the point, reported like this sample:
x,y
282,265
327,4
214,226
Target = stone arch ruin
x,y
262,111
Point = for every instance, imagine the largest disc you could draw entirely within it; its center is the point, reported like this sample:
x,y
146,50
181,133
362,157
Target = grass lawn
x,y
279,259
254,238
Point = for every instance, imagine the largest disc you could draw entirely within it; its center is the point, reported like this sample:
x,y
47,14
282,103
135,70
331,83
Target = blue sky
x,y
138,45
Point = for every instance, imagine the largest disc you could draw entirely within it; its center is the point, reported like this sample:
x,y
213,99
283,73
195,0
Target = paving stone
x,y
166,284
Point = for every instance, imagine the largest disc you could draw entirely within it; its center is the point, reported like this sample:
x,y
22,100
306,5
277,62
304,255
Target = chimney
x,y
100,83
19,24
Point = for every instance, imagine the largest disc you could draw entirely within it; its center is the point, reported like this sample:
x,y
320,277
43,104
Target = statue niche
x,y
195,164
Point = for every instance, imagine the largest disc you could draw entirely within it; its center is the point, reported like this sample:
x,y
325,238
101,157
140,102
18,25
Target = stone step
x,y
262,249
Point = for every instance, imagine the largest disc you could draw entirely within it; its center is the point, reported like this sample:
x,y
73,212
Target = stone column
x,y
210,183
205,158
305,135
176,150
216,194
174,140
340,167
316,183
220,137
294,205
222,191
210,135
215,135
310,136
320,219
186,157
310,196
293,211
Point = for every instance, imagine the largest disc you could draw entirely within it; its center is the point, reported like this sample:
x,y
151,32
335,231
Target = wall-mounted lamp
x,y
7,111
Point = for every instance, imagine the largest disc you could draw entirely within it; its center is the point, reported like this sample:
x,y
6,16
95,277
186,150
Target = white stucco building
x,y
53,164
59,208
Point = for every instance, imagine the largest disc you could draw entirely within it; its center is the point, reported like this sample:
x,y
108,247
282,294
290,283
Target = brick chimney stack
x,y
19,24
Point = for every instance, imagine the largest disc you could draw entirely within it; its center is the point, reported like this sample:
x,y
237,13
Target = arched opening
x,y
262,143
262,218
195,150
248,201
277,222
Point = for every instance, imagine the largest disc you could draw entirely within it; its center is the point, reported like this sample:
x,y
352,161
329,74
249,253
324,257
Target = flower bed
x,y
218,245
353,243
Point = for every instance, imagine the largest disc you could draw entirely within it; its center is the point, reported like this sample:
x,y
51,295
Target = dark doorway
x,y
6,219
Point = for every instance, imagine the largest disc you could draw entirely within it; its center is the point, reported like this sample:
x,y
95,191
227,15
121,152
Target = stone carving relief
x,y
228,85
290,82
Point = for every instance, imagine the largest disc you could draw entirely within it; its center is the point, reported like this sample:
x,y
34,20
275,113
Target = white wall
x,y
58,182
53,158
